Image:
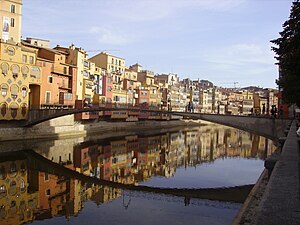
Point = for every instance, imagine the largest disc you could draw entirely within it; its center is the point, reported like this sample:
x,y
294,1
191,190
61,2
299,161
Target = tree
x,y
288,56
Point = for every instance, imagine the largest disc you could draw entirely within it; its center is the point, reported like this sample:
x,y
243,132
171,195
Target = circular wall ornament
x,y
11,50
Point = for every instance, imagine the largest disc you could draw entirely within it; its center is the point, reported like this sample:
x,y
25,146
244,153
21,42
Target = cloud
x,y
105,35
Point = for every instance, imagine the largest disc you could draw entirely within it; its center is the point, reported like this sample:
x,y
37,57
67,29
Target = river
x,y
35,190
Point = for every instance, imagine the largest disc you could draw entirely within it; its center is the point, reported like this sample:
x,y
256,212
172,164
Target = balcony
x,y
64,86
61,70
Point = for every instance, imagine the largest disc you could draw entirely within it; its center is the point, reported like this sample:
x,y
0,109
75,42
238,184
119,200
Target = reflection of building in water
x,y
164,143
135,159
175,153
206,144
120,159
193,154
18,197
60,151
56,195
105,161
104,194
141,156
153,162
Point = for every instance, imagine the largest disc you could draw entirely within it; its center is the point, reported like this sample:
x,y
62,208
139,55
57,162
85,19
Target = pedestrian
x,y
263,109
273,111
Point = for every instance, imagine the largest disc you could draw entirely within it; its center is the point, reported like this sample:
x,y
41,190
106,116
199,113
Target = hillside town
x,y
36,76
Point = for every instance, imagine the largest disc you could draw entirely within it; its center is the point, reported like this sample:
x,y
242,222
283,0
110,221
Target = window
x,y
86,64
48,192
13,9
48,97
50,80
3,110
65,70
10,51
23,110
68,96
24,92
14,91
85,74
46,176
15,71
23,168
13,169
31,59
4,89
12,22
2,190
35,72
25,71
22,186
13,188
24,58
116,98
4,68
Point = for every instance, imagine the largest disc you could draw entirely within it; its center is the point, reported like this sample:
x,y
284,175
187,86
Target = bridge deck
x,y
265,126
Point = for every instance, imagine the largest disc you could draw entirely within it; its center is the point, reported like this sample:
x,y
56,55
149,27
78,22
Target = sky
x,y
224,41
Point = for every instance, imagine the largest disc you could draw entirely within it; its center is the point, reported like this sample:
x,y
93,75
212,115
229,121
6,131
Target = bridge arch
x,y
268,127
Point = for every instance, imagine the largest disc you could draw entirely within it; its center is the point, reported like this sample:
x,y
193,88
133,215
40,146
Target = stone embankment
x,y
66,127
276,200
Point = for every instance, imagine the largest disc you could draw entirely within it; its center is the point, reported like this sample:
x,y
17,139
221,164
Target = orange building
x,y
58,80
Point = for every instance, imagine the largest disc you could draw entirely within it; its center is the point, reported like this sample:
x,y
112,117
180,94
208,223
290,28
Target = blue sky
x,y
223,41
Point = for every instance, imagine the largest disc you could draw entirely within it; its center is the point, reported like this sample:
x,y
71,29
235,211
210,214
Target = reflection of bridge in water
x,y
265,126
233,194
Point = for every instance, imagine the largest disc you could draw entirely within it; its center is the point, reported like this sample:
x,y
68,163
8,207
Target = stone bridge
x,y
268,127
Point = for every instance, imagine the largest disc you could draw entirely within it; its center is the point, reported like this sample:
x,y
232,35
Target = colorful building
x,y
20,77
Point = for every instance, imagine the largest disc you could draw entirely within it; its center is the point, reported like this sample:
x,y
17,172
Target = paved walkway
x,y
281,201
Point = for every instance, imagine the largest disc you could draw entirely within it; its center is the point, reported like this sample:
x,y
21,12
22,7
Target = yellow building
x,y
248,103
10,20
146,77
116,67
112,64
20,77
109,62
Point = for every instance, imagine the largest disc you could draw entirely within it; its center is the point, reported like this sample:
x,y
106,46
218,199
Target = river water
x,y
39,184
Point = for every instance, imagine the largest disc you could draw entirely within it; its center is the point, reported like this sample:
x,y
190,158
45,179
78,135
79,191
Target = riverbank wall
x,y
66,127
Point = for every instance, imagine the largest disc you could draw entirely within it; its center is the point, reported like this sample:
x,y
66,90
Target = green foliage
x,y
287,52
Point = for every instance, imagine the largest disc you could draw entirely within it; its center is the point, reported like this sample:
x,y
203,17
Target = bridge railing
x,y
35,114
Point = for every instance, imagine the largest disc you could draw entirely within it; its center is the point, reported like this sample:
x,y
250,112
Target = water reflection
x,y
28,194
136,158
